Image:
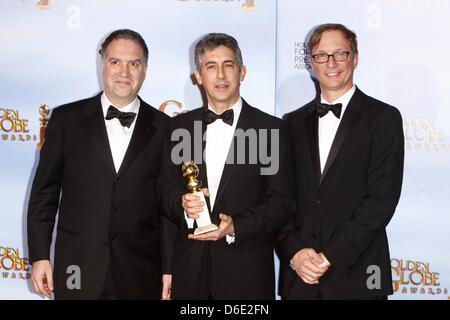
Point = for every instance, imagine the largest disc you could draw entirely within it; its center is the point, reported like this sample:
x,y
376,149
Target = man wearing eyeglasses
x,y
349,151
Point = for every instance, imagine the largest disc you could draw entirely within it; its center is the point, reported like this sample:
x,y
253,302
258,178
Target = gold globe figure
x,y
43,121
190,171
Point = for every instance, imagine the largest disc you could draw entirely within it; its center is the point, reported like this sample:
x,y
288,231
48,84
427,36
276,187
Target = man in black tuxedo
x,y
248,200
99,167
348,150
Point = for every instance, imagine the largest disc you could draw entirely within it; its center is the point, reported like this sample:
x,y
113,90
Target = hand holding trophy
x,y
190,172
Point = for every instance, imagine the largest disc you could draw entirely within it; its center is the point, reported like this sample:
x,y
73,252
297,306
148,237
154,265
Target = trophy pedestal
x,y
205,229
204,223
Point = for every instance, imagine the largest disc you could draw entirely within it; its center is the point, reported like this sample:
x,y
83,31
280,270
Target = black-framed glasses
x,y
337,56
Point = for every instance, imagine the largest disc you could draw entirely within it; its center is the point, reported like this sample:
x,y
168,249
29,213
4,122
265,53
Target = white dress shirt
x,y
329,124
219,136
119,136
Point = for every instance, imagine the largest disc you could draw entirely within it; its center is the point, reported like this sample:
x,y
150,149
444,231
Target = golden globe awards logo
x,y
12,265
416,278
422,135
172,108
13,127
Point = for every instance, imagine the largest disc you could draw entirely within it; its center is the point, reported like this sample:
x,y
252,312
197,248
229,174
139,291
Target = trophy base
x,y
205,229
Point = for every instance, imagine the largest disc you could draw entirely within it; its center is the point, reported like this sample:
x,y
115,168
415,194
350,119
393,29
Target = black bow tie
x,y
227,117
323,108
125,118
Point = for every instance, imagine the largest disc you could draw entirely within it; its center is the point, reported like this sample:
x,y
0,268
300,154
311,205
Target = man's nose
x,y
124,69
331,61
220,73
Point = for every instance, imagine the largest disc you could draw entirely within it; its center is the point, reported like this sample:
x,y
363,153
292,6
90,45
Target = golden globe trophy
x,y
43,112
190,172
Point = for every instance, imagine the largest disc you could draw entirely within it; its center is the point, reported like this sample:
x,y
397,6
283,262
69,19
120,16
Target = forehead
x,y
124,47
218,54
333,40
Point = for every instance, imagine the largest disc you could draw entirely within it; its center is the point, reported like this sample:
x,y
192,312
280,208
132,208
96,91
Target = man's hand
x,y
225,227
42,277
309,265
166,286
325,263
192,204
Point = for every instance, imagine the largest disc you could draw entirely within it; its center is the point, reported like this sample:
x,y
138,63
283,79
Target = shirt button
x,y
319,202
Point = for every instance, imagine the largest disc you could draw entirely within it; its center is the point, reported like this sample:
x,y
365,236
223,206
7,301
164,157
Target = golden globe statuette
x,y
190,172
43,112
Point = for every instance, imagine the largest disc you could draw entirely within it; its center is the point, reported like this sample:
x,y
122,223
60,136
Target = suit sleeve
x,y
168,229
278,203
168,237
45,193
288,237
384,181
170,185
288,241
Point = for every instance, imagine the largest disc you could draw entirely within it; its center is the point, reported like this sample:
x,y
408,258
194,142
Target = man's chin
x,y
124,95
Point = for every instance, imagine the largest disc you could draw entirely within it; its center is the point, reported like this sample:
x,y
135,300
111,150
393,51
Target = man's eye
x,y
114,62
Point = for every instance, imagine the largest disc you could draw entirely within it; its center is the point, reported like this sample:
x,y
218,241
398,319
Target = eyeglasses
x,y
337,56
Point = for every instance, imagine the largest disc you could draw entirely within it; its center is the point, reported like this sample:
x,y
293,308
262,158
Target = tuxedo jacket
x,y
107,220
259,205
344,211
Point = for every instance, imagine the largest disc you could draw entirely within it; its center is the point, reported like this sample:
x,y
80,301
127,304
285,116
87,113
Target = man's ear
x,y
198,77
355,60
243,73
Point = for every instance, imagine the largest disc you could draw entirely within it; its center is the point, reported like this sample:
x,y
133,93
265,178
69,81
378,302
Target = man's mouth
x,y
332,73
123,82
221,86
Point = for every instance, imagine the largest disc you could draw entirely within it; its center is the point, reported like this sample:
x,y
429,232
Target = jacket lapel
x,y
312,135
95,127
142,134
349,119
244,124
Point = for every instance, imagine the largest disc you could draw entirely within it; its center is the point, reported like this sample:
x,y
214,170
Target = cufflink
x,y
230,238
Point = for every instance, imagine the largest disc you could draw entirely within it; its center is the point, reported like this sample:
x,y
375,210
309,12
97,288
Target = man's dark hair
x,y
319,30
124,34
214,40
